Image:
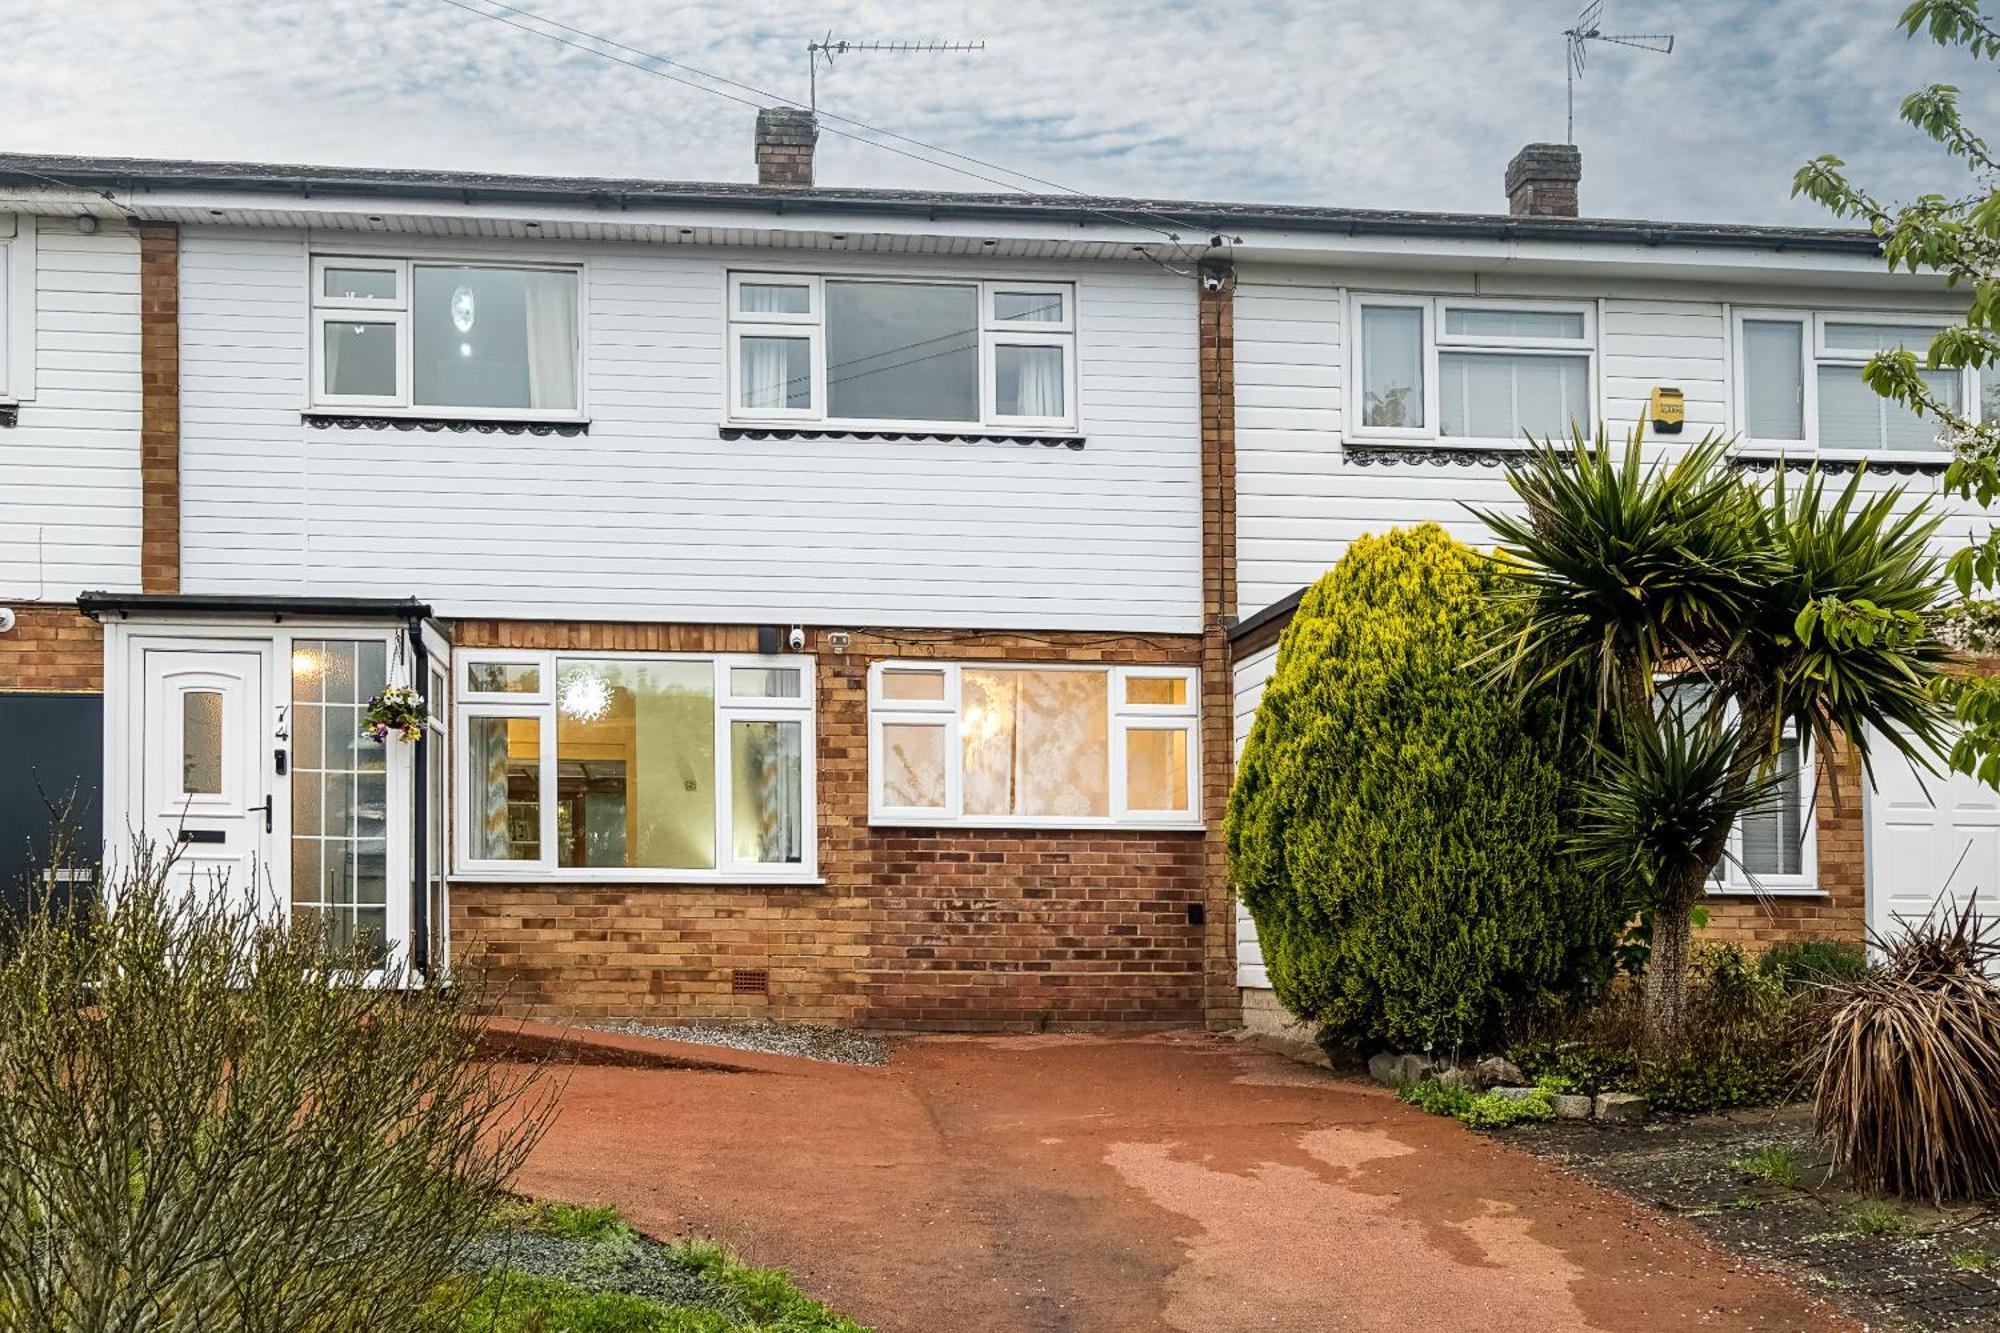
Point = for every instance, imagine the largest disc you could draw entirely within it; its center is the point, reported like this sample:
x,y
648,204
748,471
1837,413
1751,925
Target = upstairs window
x,y
470,340
1457,369
17,308
1799,388
942,355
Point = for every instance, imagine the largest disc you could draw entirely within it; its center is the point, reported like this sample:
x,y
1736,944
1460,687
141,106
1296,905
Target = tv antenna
x,y
1587,30
830,47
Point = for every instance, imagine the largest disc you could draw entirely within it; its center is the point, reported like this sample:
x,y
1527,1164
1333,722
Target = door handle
x,y
267,807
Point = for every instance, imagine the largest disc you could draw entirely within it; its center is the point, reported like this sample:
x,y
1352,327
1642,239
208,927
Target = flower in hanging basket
x,y
398,709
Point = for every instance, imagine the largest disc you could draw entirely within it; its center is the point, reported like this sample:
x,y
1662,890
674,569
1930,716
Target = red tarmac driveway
x,y
1183,1182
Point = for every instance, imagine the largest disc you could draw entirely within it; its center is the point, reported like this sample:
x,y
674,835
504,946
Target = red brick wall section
x,y
53,649
1216,316
1841,909
952,929
160,408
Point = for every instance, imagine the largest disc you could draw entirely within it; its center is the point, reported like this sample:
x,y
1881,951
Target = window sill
x,y
781,431
665,879
1773,891
1036,825
326,419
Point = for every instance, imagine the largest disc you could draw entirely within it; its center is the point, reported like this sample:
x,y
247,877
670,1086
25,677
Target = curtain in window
x,y
768,799
552,351
1505,395
1773,832
1028,381
1774,386
1392,367
774,373
1035,742
1854,416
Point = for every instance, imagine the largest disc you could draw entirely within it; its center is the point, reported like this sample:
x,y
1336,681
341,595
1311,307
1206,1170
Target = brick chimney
x,y
785,139
1541,181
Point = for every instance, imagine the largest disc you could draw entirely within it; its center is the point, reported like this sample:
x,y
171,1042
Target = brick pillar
x,y
160,408
1216,316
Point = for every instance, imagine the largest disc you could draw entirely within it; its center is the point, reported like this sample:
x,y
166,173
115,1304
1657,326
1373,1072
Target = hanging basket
x,y
397,710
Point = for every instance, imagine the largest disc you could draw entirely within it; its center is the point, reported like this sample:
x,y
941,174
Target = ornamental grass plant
x,y
1908,1096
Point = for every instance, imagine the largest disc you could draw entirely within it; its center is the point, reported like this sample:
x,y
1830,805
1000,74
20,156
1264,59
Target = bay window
x,y
437,337
1453,368
1799,388
607,765
1032,744
931,354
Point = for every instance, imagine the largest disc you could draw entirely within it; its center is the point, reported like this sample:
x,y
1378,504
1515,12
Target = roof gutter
x,y
99,605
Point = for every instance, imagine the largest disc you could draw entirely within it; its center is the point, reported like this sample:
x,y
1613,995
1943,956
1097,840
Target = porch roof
x,y
102,604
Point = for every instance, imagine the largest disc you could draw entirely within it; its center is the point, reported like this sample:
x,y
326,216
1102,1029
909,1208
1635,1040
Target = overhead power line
x,y
766,97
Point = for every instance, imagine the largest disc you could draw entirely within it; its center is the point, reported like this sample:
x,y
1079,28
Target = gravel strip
x,y
637,1266
811,1040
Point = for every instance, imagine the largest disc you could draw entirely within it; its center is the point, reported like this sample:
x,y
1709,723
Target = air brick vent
x,y
749,981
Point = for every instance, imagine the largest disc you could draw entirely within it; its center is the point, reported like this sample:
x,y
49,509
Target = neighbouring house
x,y
833,604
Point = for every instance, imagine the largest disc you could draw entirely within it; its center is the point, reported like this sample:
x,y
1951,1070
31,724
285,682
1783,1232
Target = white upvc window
x,y
1772,848
1799,391
1475,370
472,339
1033,745
630,767
915,354
17,308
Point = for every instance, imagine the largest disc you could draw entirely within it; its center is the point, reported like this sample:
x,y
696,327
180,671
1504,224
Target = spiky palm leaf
x,y
1626,568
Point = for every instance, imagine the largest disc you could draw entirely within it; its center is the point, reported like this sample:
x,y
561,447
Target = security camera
x,y
796,640
6,619
1211,280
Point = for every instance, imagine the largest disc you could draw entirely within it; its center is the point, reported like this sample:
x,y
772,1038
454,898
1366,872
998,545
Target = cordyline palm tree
x,y
1701,618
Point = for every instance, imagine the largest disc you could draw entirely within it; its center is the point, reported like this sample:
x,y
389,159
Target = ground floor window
x,y
607,765
1034,744
340,793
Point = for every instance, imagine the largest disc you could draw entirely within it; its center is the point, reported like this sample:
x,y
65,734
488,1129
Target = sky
x,y
1358,103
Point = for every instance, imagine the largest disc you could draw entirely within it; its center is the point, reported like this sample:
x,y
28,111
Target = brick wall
x,y
1216,317
915,928
1841,908
52,648
160,408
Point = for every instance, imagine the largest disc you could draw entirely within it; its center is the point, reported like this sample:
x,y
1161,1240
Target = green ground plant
x,y
1814,962
1479,1110
1970,1259
1873,1218
1774,1165
1398,825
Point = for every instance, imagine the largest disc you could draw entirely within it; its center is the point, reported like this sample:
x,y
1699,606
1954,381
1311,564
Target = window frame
x,y
542,704
1732,880
1433,341
17,308
323,310
1814,353
1120,718
991,333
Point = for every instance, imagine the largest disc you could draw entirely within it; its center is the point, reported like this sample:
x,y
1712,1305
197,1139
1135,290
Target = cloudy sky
x,y
1411,103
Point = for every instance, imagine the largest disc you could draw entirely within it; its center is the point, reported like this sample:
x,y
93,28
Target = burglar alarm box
x,y
1669,410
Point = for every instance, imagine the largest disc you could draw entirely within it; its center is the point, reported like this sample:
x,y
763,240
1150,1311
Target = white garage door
x,y
1928,835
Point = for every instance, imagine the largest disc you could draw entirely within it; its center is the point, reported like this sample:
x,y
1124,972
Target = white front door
x,y
205,775
1930,838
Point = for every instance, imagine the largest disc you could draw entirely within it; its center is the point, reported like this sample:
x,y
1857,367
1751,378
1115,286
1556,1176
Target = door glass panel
x,y
201,743
766,797
340,795
635,764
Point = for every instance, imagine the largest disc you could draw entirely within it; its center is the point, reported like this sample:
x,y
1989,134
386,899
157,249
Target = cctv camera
x,y
796,640
6,619
1211,281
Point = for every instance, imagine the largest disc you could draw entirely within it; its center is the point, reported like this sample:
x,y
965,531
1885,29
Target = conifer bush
x,y
1398,824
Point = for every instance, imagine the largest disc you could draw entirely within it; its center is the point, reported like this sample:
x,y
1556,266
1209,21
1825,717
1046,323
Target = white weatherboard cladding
x,y
1300,496
69,468
652,516
1252,674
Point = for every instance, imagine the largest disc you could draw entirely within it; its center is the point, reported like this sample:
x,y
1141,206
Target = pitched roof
x,y
1194,218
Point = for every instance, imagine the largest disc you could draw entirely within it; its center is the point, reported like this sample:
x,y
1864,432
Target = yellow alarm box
x,y
1669,409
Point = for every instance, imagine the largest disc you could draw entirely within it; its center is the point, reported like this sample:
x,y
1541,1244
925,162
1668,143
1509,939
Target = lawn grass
x,y
764,1299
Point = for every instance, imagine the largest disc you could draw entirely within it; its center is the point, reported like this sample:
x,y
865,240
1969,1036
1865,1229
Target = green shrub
x,y
1489,1110
1438,1098
1399,823
1814,962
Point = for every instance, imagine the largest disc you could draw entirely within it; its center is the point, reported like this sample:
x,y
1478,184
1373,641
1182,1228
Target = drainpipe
x,y
420,904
